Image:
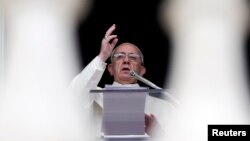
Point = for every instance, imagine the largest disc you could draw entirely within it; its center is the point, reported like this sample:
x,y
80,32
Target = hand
x,y
152,126
149,123
108,43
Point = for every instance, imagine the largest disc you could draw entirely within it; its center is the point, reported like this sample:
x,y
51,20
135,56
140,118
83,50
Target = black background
x,y
137,22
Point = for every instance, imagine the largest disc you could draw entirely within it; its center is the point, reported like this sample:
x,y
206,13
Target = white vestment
x,y
89,78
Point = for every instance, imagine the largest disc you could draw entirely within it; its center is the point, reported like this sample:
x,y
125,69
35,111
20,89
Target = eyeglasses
x,y
122,55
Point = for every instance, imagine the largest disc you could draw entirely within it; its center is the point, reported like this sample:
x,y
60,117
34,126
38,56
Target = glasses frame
x,y
131,56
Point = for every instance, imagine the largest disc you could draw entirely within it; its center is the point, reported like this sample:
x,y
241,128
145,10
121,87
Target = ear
x,y
142,71
110,69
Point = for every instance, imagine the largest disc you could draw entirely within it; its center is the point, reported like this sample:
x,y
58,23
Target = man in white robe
x,y
124,58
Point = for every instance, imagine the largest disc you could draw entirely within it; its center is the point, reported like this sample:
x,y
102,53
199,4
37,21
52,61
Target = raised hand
x,y
108,43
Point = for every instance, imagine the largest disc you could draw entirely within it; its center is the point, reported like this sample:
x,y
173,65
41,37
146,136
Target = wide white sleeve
x,y
88,79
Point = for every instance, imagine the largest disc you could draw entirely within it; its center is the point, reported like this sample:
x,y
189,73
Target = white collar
x,y
126,85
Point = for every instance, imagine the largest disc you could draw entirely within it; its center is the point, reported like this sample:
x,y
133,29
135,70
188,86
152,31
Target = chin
x,y
128,81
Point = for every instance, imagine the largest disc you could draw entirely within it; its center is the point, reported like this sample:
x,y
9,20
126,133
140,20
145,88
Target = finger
x,y
110,30
114,42
152,116
147,119
146,115
109,38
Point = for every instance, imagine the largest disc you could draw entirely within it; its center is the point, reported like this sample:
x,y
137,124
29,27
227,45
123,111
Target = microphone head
x,y
132,73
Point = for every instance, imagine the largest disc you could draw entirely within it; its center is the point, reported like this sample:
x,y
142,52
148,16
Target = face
x,y
126,58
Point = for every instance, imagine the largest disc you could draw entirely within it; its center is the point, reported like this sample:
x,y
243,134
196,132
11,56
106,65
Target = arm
x,y
91,75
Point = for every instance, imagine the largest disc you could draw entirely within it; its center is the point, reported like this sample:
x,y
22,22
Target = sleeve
x,y
88,79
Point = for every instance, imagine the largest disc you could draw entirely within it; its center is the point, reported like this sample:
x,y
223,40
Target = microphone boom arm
x,y
161,95
138,77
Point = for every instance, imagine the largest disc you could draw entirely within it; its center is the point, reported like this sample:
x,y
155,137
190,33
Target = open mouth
x,y
125,69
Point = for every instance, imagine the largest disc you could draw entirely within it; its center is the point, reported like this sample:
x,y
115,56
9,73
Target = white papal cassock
x,y
89,78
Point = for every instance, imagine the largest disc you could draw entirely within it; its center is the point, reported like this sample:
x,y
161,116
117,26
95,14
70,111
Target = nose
x,y
126,60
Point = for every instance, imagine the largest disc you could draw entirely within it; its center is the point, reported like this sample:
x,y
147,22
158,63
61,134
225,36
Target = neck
x,y
125,84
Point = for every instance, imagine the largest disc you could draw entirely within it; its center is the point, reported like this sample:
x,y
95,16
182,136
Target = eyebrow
x,y
127,53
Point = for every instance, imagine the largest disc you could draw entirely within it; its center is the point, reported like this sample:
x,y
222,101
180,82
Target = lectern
x,y
124,113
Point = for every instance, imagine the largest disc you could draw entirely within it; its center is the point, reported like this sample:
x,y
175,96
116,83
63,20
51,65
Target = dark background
x,y
137,22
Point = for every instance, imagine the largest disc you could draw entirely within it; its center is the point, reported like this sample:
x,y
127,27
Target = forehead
x,y
127,48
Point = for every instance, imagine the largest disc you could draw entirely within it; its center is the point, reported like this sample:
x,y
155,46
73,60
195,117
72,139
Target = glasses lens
x,y
119,56
131,56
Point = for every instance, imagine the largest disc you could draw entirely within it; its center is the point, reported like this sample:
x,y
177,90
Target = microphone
x,y
144,80
162,95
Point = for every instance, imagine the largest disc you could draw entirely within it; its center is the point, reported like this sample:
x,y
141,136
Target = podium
x,y
124,109
123,113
